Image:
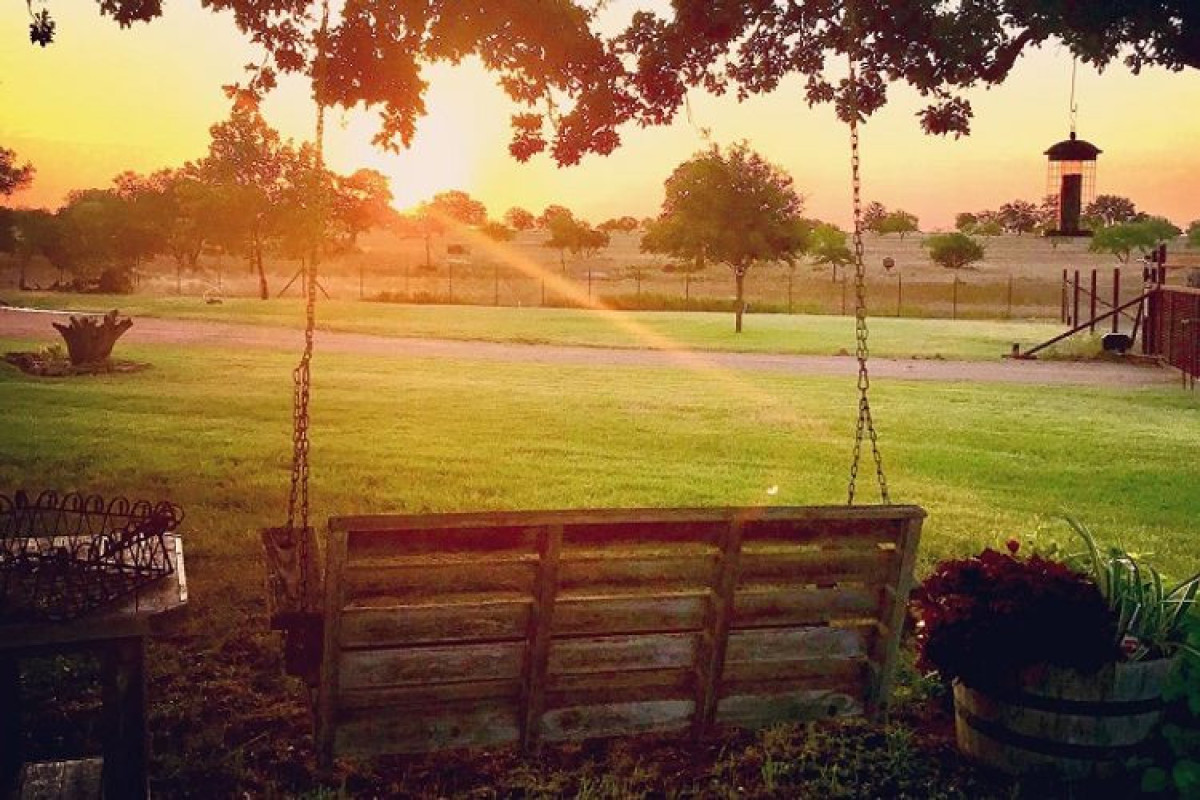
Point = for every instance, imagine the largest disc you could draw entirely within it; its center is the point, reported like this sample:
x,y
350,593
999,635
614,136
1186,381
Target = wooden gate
x,y
1172,330
472,630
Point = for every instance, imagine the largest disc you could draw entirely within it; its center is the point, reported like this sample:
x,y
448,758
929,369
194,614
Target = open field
x,y
1019,279
713,331
209,429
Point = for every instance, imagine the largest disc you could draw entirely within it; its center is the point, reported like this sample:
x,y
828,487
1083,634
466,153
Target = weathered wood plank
x,y
628,613
613,687
406,542
848,533
617,653
584,722
824,567
710,663
849,674
61,780
328,689
595,516
612,571
362,669
540,628
892,619
757,710
430,578
452,622
379,731
429,695
621,534
804,605
788,644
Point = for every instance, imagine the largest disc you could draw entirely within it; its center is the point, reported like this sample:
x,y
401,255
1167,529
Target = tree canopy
x,y
733,207
577,86
953,250
13,176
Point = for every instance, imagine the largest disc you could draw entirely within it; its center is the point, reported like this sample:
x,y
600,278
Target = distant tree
x,y
1126,238
519,219
1111,209
953,250
898,221
827,245
873,216
1161,227
13,177
733,207
1018,216
620,225
362,201
965,222
245,167
551,213
589,240
568,234
988,226
456,206
424,223
1193,234
38,233
498,231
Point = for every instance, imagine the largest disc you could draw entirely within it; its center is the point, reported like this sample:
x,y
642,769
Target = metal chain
x,y
866,424
298,498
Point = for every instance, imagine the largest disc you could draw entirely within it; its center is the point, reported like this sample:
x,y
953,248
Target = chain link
x,y
866,424
298,497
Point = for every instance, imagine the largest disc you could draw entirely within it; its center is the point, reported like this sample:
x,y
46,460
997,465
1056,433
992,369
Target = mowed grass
x,y
210,429
764,333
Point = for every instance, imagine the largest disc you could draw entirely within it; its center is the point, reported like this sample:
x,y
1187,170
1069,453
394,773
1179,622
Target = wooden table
x,y
117,634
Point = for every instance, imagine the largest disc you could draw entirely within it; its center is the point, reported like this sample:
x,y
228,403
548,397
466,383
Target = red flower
x,y
1013,546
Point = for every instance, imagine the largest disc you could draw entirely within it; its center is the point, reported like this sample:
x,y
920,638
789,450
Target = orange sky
x,y
101,100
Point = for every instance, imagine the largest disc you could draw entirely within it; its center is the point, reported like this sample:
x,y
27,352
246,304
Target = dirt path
x,y
35,325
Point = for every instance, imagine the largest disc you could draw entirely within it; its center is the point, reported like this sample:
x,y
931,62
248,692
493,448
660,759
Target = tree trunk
x,y
263,291
90,340
739,275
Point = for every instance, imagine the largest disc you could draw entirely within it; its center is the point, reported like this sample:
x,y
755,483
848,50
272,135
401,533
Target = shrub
x,y
954,250
988,619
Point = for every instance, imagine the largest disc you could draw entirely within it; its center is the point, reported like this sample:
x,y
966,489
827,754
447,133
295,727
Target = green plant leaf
x,y
1155,779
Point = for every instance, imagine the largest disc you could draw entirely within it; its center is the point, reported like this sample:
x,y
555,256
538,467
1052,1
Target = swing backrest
x,y
473,630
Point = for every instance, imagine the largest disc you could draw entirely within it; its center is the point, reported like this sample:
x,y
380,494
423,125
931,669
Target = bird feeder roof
x,y
1073,150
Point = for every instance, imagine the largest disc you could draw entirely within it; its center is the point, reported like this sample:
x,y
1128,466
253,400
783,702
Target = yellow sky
x,y
101,100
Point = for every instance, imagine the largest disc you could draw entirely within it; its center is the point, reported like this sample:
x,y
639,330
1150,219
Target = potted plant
x,y
1058,662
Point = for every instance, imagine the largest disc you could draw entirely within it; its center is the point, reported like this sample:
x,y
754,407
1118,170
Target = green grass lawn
x,y
210,430
764,333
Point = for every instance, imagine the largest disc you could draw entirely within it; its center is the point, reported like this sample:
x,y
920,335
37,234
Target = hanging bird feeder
x,y
1071,181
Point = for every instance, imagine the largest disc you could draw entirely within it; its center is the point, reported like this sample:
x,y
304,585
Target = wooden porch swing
x,y
429,632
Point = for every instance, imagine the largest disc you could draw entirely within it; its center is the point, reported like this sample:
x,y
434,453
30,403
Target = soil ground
x,y
15,323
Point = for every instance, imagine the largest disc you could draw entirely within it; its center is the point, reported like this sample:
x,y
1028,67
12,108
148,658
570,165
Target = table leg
x,y
126,750
10,724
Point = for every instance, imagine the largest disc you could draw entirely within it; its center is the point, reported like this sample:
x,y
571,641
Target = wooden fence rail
x,y
472,630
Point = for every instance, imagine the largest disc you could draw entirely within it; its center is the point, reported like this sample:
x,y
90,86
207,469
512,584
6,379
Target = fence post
x,y
407,293
1116,298
638,276
843,295
1092,304
899,292
954,300
496,284
791,275
1075,300
687,289
360,281
1062,311
450,278
1008,315
543,292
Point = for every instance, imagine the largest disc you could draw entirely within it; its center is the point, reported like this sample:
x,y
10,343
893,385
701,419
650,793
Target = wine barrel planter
x,y
1062,721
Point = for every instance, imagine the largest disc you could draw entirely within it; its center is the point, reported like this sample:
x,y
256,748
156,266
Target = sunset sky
x,y
102,100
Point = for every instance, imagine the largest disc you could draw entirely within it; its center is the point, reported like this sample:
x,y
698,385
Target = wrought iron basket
x,y
62,556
